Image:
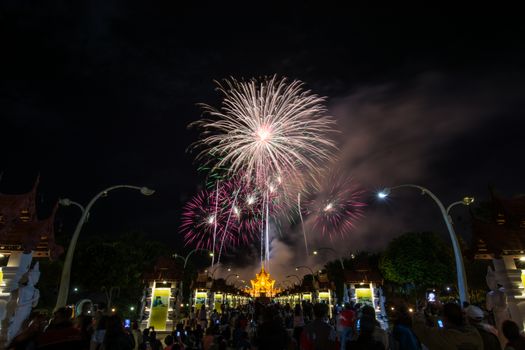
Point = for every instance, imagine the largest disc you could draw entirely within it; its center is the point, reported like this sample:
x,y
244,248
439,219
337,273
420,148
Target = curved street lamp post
x,y
460,267
63,290
185,259
298,278
316,252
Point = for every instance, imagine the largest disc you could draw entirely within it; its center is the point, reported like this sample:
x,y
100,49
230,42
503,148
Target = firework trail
x,y
266,129
203,219
334,205
302,222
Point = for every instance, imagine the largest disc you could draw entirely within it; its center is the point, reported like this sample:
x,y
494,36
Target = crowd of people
x,y
274,326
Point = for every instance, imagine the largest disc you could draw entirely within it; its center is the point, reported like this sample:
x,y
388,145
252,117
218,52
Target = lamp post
x,y
305,267
63,290
460,267
298,279
109,294
185,259
231,274
316,252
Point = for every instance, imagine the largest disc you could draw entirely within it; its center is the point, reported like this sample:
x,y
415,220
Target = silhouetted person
x,y
511,331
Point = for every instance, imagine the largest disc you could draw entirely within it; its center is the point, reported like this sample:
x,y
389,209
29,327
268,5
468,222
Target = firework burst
x,y
334,205
204,217
266,129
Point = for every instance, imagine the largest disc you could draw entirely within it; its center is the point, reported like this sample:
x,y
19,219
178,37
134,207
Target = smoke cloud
x,y
429,132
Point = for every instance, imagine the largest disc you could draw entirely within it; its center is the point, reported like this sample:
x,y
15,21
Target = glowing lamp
x,y
384,193
468,200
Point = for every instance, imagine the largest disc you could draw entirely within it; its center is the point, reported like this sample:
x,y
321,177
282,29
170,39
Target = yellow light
x,y
113,310
181,305
392,308
315,252
164,282
468,200
2,255
522,258
410,310
211,254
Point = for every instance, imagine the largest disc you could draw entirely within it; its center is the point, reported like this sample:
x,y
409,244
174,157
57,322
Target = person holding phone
x,y
402,333
455,333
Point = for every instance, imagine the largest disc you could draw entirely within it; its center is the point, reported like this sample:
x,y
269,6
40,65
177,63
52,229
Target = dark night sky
x,y
96,93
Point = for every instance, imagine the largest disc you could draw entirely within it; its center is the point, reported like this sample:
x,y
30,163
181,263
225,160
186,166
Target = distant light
x,y
164,282
181,305
315,252
211,219
392,308
384,193
75,289
328,207
468,200
2,255
250,200
211,254
113,310
448,288
229,269
410,310
132,308
522,258
296,269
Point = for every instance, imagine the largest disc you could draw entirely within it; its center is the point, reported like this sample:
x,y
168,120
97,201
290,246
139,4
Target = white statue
x,y
497,302
28,297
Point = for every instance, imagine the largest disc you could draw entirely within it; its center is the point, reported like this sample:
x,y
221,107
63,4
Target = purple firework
x,y
334,205
203,216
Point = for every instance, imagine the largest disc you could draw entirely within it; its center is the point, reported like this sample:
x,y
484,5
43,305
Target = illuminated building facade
x,y
161,294
498,230
23,236
262,286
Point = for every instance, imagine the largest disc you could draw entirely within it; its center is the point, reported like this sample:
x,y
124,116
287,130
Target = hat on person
x,y
474,313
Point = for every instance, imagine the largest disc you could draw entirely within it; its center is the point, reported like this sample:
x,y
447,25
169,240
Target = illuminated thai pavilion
x,y
262,285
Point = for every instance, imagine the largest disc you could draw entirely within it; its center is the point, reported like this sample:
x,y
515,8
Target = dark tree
x,y
419,260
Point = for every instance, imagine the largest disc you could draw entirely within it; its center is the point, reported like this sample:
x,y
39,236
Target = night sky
x,y
97,93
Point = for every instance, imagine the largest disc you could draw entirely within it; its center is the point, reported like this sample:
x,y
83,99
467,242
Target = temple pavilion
x,y
262,285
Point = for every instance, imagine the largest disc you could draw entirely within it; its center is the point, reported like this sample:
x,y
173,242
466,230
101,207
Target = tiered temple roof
x,y
21,229
363,272
165,269
503,232
262,285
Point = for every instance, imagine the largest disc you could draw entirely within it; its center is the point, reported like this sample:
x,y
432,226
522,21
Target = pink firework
x,y
202,218
247,203
334,206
